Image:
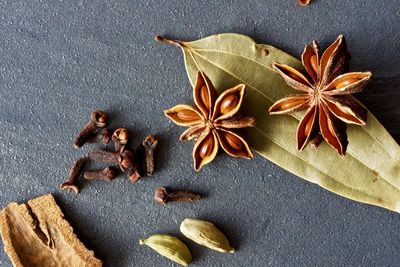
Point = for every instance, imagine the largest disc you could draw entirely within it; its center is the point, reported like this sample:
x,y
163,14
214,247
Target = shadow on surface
x,y
86,234
382,97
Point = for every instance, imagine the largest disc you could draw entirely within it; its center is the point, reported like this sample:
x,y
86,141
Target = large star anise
x,y
212,121
326,95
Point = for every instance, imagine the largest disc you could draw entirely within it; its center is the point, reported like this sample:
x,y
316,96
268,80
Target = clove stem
x,y
71,182
150,144
162,196
104,137
99,155
108,174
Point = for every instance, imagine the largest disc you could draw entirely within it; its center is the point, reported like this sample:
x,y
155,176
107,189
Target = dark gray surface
x,y
59,60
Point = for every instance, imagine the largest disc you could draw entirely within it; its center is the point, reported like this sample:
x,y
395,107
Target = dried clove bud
x,y
104,137
162,196
128,163
125,159
137,170
98,120
150,144
71,182
108,174
120,138
304,2
134,174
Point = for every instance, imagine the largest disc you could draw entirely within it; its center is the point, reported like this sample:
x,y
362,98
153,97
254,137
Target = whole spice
x,y
97,121
212,122
150,144
326,95
206,234
125,159
104,137
108,174
71,182
36,234
304,2
134,173
122,158
170,247
120,138
163,196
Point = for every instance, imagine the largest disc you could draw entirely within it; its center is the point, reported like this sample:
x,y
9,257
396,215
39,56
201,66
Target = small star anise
x,y
212,121
326,96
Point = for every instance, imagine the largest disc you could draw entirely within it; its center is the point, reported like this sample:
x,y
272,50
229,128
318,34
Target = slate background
x,y
59,60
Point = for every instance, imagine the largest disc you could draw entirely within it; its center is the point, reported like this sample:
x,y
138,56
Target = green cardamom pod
x,y
206,234
170,247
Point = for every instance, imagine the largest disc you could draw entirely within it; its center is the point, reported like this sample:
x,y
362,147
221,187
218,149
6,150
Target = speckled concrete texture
x,y
59,60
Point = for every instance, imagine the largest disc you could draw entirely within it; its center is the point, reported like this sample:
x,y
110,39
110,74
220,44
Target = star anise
x,y
326,95
212,121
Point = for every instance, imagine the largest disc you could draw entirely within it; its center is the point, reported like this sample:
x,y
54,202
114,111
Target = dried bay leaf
x,y
370,171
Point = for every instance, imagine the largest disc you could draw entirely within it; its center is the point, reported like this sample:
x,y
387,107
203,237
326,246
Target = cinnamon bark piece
x,y
36,234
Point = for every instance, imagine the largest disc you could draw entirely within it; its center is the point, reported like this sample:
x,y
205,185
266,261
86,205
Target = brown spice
x,y
135,163
150,144
36,234
123,158
132,165
71,182
120,138
108,174
163,196
304,2
97,121
213,121
134,174
103,137
103,156
325,95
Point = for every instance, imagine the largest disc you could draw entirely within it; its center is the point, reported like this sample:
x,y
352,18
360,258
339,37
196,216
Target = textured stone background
x,y
59,60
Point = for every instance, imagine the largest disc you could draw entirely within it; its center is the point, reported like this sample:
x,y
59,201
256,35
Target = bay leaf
x,y
370,171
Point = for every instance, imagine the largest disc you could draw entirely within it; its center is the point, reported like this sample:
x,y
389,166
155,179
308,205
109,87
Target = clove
x,y
97,121
304,2
120,138
143,162
123,158
104,137
108,174
162,196
150,144
128,162
71,182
